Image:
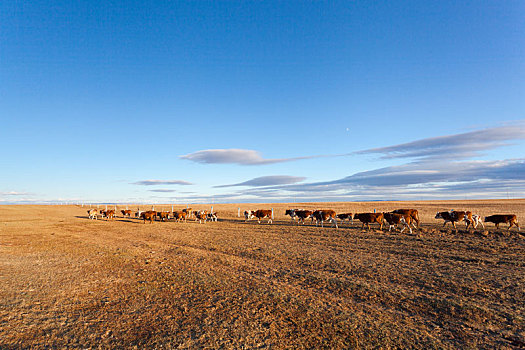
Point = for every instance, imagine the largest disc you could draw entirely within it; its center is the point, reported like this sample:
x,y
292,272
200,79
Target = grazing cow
x,y
92,214
259,214
454,216
126,212
148,215
510,219
188,212
248,214
324,215
368,218
163,215
395,219
413,213
346,216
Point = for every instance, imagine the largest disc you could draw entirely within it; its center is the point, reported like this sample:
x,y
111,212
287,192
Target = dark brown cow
x,y
454,216
324,215
109,214
179,215
368,218
148,215
163,215
126,212
413,213
395,219
188,212
497,219
345,216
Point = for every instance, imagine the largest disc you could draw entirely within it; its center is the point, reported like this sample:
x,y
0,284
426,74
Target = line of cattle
x,y
404,217
151,215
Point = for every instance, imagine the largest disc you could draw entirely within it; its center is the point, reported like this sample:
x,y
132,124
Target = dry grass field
x,y
69,282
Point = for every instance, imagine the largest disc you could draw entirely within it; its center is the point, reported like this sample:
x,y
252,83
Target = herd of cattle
x,y
407,218
152,215
404,217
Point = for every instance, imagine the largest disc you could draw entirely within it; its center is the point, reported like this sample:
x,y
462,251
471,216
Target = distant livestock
x,y
454,216
108,214
163,215
201,216
258,214
148,215
179,215
369,218
320,216
412,213
92,213
301,215
510,219
345,216
395,219
126,212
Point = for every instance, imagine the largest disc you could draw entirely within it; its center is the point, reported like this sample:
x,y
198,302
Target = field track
x,y
70,282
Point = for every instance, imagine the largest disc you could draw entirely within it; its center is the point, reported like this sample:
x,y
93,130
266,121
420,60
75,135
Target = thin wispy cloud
x,y
458,146
268,181
161,182
238,156
163,190
14,193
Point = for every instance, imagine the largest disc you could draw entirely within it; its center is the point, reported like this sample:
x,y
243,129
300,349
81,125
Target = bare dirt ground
x,y
69,282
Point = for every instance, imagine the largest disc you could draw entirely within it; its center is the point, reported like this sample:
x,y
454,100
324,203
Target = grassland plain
x,y
69,282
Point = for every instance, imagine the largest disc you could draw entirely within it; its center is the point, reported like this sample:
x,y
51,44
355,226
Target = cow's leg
x,y
497,226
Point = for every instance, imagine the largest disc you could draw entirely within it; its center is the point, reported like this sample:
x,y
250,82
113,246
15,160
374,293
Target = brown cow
x,y
301,215
368,218
346,216
413,213
109,214
395,219
454,216
201,216
497,219
259,214
324,215
163,215
92,214
179,215
148,215
188,212
126,212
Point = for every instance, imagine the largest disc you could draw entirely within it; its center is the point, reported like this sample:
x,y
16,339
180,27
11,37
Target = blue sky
x,y
241,101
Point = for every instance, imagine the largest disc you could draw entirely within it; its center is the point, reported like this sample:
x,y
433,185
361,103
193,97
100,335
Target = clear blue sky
x,y
97,97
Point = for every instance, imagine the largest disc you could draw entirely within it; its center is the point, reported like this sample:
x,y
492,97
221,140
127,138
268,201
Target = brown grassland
x,y
69,282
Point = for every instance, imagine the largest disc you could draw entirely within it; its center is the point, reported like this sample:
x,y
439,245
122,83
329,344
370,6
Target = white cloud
x,y
161,182
236,156
269,181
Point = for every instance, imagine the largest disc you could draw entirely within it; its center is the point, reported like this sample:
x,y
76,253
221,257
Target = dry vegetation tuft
x,y
68,282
